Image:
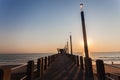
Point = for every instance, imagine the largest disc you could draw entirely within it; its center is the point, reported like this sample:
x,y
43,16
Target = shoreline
x,y
109,69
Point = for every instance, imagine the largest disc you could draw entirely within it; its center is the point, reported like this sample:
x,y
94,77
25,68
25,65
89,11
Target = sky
x,y
42,26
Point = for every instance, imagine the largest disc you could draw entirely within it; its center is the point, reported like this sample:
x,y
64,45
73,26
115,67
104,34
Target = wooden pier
x,y
59,67
63,68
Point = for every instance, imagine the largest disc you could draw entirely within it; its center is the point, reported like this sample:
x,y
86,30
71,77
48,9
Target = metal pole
x,y
67,47
71,44
84,34
88,61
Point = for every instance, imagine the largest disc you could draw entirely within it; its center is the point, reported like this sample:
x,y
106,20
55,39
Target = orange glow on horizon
x,y
89,43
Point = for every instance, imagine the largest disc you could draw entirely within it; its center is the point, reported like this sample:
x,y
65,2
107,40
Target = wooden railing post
x,y
51,59
77,60
42,66
39,67
5,74
100,70
30,70
48,60
74,58
46,63
88,68
81,62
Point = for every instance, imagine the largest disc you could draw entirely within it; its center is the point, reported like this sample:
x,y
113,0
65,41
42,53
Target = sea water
x,y
107,57
10,59
21,58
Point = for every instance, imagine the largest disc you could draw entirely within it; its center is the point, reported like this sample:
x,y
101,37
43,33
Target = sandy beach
x,y
109,69
114,70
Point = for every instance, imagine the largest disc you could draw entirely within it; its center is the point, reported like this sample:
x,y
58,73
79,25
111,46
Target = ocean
x,y
17,59
8,59
107,57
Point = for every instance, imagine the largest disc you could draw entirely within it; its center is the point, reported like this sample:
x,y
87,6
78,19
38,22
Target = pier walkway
x,y
63,68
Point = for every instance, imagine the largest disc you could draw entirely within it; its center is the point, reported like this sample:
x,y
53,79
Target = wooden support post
x,y
81,62
77,59
52,58
30,70
5,74
72,56
88,68
46,63
42,66
38,67
100,70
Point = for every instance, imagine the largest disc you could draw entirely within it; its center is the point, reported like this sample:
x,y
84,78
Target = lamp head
x,y
81,6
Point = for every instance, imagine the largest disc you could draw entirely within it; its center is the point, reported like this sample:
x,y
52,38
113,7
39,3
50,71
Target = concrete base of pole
x,y
100,70
88,68
81,63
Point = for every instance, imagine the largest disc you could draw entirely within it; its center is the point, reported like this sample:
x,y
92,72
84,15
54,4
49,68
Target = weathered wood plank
x,y
63,68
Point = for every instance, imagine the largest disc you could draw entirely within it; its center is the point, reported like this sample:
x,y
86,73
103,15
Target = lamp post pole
x,y
84,32
88,60
71,44
67,48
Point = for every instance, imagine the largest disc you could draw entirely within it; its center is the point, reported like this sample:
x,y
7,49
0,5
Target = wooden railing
x,y
101,69
36,70
113,73
33,70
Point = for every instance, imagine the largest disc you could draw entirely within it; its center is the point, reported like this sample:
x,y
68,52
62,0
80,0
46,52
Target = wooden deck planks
x,y
63,68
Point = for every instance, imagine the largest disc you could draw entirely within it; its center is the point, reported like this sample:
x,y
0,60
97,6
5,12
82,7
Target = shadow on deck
x,y
63,68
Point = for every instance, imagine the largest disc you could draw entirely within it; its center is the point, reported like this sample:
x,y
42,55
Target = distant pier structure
x,y
61,50
64,50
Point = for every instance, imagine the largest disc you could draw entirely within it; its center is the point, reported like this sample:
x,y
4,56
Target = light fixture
x,y
81,6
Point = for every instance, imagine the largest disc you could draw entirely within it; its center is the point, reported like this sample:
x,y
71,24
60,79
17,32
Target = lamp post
x,y
67,47
88,60
71,43
84,31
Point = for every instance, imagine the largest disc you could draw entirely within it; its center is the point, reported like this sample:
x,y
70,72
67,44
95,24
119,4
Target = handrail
x,y
23,77
108,77
26,75
112,66
14,68
33,66
108,64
